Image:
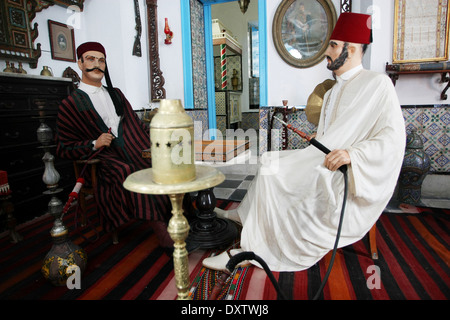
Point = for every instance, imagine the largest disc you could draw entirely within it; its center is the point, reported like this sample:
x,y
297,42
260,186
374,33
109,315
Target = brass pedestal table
x,y
142,182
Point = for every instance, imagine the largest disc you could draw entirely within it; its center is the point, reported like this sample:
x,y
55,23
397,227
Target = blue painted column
x,y
187,54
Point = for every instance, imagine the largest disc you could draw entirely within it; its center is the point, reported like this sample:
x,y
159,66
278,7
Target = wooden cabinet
x,y
23,100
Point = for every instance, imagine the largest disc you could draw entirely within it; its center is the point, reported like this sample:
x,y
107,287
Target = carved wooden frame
x,y
346,6
277,33
156,78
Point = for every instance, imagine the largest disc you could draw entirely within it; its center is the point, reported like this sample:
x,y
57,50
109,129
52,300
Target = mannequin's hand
x,y
104,140
337,158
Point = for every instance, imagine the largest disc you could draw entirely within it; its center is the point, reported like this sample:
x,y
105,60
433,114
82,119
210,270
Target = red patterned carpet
x,y
413,264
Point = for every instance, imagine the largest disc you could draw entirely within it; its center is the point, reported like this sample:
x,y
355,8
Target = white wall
x,y
171,56
112,23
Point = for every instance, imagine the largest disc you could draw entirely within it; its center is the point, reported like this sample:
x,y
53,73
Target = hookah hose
x,y
251,256
76,190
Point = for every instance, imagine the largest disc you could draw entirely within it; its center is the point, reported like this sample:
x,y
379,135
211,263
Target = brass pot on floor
x,y
64,258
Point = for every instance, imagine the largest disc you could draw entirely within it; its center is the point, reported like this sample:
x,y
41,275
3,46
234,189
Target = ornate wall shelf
x,y
222,35
395,70
68,3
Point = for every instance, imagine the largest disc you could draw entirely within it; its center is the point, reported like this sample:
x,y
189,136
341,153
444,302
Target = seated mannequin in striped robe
x,y
96,117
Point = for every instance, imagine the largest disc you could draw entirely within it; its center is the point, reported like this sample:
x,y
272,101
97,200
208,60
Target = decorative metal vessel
x,y
63,258
45,134
415,167
172,144
46,71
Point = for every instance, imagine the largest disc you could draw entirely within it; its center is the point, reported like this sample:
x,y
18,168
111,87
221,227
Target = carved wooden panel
x,y
16,35
156,78
69,3
346,5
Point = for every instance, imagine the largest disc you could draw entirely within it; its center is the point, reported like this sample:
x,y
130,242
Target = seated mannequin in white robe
x,y
291,212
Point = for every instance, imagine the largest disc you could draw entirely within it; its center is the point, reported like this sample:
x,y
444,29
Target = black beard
x,y
339,62
93,69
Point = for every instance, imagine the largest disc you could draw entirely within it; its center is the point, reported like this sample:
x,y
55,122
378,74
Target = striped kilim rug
x,y
413,264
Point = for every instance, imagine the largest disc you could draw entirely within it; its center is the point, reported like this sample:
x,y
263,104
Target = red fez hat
x,y
90,46
353,27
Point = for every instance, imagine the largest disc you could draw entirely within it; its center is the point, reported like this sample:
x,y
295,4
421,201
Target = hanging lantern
x,y
243,4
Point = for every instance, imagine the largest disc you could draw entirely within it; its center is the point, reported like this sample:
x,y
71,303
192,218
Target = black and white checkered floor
x,y
234,187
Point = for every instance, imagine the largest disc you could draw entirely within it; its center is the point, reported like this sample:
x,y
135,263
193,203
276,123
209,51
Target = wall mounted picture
x,y
421,31
62,41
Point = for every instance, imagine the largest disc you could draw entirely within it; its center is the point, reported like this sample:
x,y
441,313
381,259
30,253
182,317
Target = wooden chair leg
x,y
78,164
82,200
373,242
115,236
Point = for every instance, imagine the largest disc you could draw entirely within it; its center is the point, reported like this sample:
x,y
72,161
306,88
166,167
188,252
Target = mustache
x,y
93,69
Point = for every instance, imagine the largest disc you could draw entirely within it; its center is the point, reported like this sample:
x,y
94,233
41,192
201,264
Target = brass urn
x,y
172,144
46,71
64,256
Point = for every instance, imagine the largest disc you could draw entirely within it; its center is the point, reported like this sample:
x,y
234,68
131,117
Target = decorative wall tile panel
x,y
250,120
198,56
432,122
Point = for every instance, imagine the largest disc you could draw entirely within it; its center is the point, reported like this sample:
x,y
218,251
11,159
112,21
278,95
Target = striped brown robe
x,y
78,125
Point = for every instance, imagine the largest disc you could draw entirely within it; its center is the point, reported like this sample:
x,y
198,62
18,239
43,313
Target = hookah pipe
x,y
79,184
313,141
251,255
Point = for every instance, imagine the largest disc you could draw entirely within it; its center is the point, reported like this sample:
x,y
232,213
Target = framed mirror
x,y
301,30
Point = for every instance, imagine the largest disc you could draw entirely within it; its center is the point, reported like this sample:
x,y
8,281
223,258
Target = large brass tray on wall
x,y
301,30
